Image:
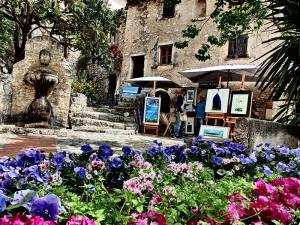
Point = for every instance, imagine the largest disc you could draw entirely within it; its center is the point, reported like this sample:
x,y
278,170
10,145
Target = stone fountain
x,y
41,86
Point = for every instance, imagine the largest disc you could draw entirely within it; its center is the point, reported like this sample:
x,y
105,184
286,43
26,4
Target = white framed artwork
x,y
189,125
217,100
214,132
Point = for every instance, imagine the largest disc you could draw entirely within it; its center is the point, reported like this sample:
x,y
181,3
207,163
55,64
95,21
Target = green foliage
x,y
281,70
87,88
77,25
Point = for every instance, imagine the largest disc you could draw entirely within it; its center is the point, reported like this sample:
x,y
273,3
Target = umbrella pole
x,y
154,87
220,82
228,74
243,82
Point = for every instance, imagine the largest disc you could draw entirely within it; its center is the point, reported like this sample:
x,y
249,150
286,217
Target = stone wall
x,y
146,30
79,103
23,94
5,91
252,132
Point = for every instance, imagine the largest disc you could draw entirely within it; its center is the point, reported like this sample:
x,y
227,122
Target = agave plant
x,y
281,70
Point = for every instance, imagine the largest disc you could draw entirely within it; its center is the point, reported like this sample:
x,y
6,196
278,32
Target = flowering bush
x,y
207,182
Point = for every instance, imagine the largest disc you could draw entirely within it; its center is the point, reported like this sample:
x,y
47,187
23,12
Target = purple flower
x,y
71,156
246,161
281,166
80,171
196,140
153,151
116,162
240,148
292,164
33,172
284,151
270,157
217,160
30,156
105,152
47,207
297,152
267,171
59,159
127,152
24,196
219,151
86,149
193,149
2,201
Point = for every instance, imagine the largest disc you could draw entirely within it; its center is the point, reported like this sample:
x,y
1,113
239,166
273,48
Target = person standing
x,y
200,113
179,110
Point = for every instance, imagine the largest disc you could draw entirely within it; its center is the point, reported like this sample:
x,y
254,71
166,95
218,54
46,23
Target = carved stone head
x,y
45,57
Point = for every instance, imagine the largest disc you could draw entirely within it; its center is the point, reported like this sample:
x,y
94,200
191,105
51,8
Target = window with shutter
x,y
169,10
166,54
237,48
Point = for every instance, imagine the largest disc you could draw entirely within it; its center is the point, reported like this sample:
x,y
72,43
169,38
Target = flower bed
x,y
206,183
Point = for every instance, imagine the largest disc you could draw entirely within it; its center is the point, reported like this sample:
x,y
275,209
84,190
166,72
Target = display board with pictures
x,y
189,125
217,100
240,103
152,110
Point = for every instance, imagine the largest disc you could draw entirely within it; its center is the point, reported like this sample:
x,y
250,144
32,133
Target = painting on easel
x,y
240,104
152,110
217,100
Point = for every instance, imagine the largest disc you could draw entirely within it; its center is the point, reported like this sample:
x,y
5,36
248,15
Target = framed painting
x,y
152,110
189,125
190,96
240,103
217,100
214,132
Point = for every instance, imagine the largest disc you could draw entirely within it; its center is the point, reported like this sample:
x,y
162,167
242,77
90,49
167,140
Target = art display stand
x,y
151,127
215,117
230,122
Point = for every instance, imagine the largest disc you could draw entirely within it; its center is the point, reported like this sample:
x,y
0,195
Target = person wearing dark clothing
x,y
200,113
179,110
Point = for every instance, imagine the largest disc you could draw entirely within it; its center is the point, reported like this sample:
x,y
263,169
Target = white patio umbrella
x,y
154,82
230,72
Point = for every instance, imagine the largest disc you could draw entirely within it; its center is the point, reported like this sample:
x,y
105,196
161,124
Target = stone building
x,y
151,29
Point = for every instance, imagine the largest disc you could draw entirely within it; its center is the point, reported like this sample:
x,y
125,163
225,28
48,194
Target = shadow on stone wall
x,y
252,132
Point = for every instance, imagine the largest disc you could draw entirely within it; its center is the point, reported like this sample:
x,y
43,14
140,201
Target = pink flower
x,y
76,220
262,188
194,210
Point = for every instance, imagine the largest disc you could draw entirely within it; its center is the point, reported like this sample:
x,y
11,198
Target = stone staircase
x,y
117,120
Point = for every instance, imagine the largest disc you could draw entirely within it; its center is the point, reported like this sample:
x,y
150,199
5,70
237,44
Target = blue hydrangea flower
x,y
80,171
47,207
281,166
267,171
127,152
25,197
86,149
217,160
116,162
105,152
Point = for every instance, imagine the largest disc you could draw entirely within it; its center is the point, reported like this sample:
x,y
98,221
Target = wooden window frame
x,y
237,54
167,47
166,13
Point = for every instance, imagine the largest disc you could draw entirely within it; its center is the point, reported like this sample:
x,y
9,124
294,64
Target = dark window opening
x,y
199,8
166,54
169,10
235,2
138,66
237,47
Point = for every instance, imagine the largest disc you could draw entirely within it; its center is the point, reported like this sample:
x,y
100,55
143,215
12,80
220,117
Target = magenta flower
x,y
77,220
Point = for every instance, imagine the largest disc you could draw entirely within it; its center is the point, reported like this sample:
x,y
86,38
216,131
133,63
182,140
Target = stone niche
x,y
23,93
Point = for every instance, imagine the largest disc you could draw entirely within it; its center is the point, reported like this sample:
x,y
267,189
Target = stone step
x,y
79,121
117,110
103,116
106,130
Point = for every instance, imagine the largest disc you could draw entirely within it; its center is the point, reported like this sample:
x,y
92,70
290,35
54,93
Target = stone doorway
x,y
111,89
138,66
